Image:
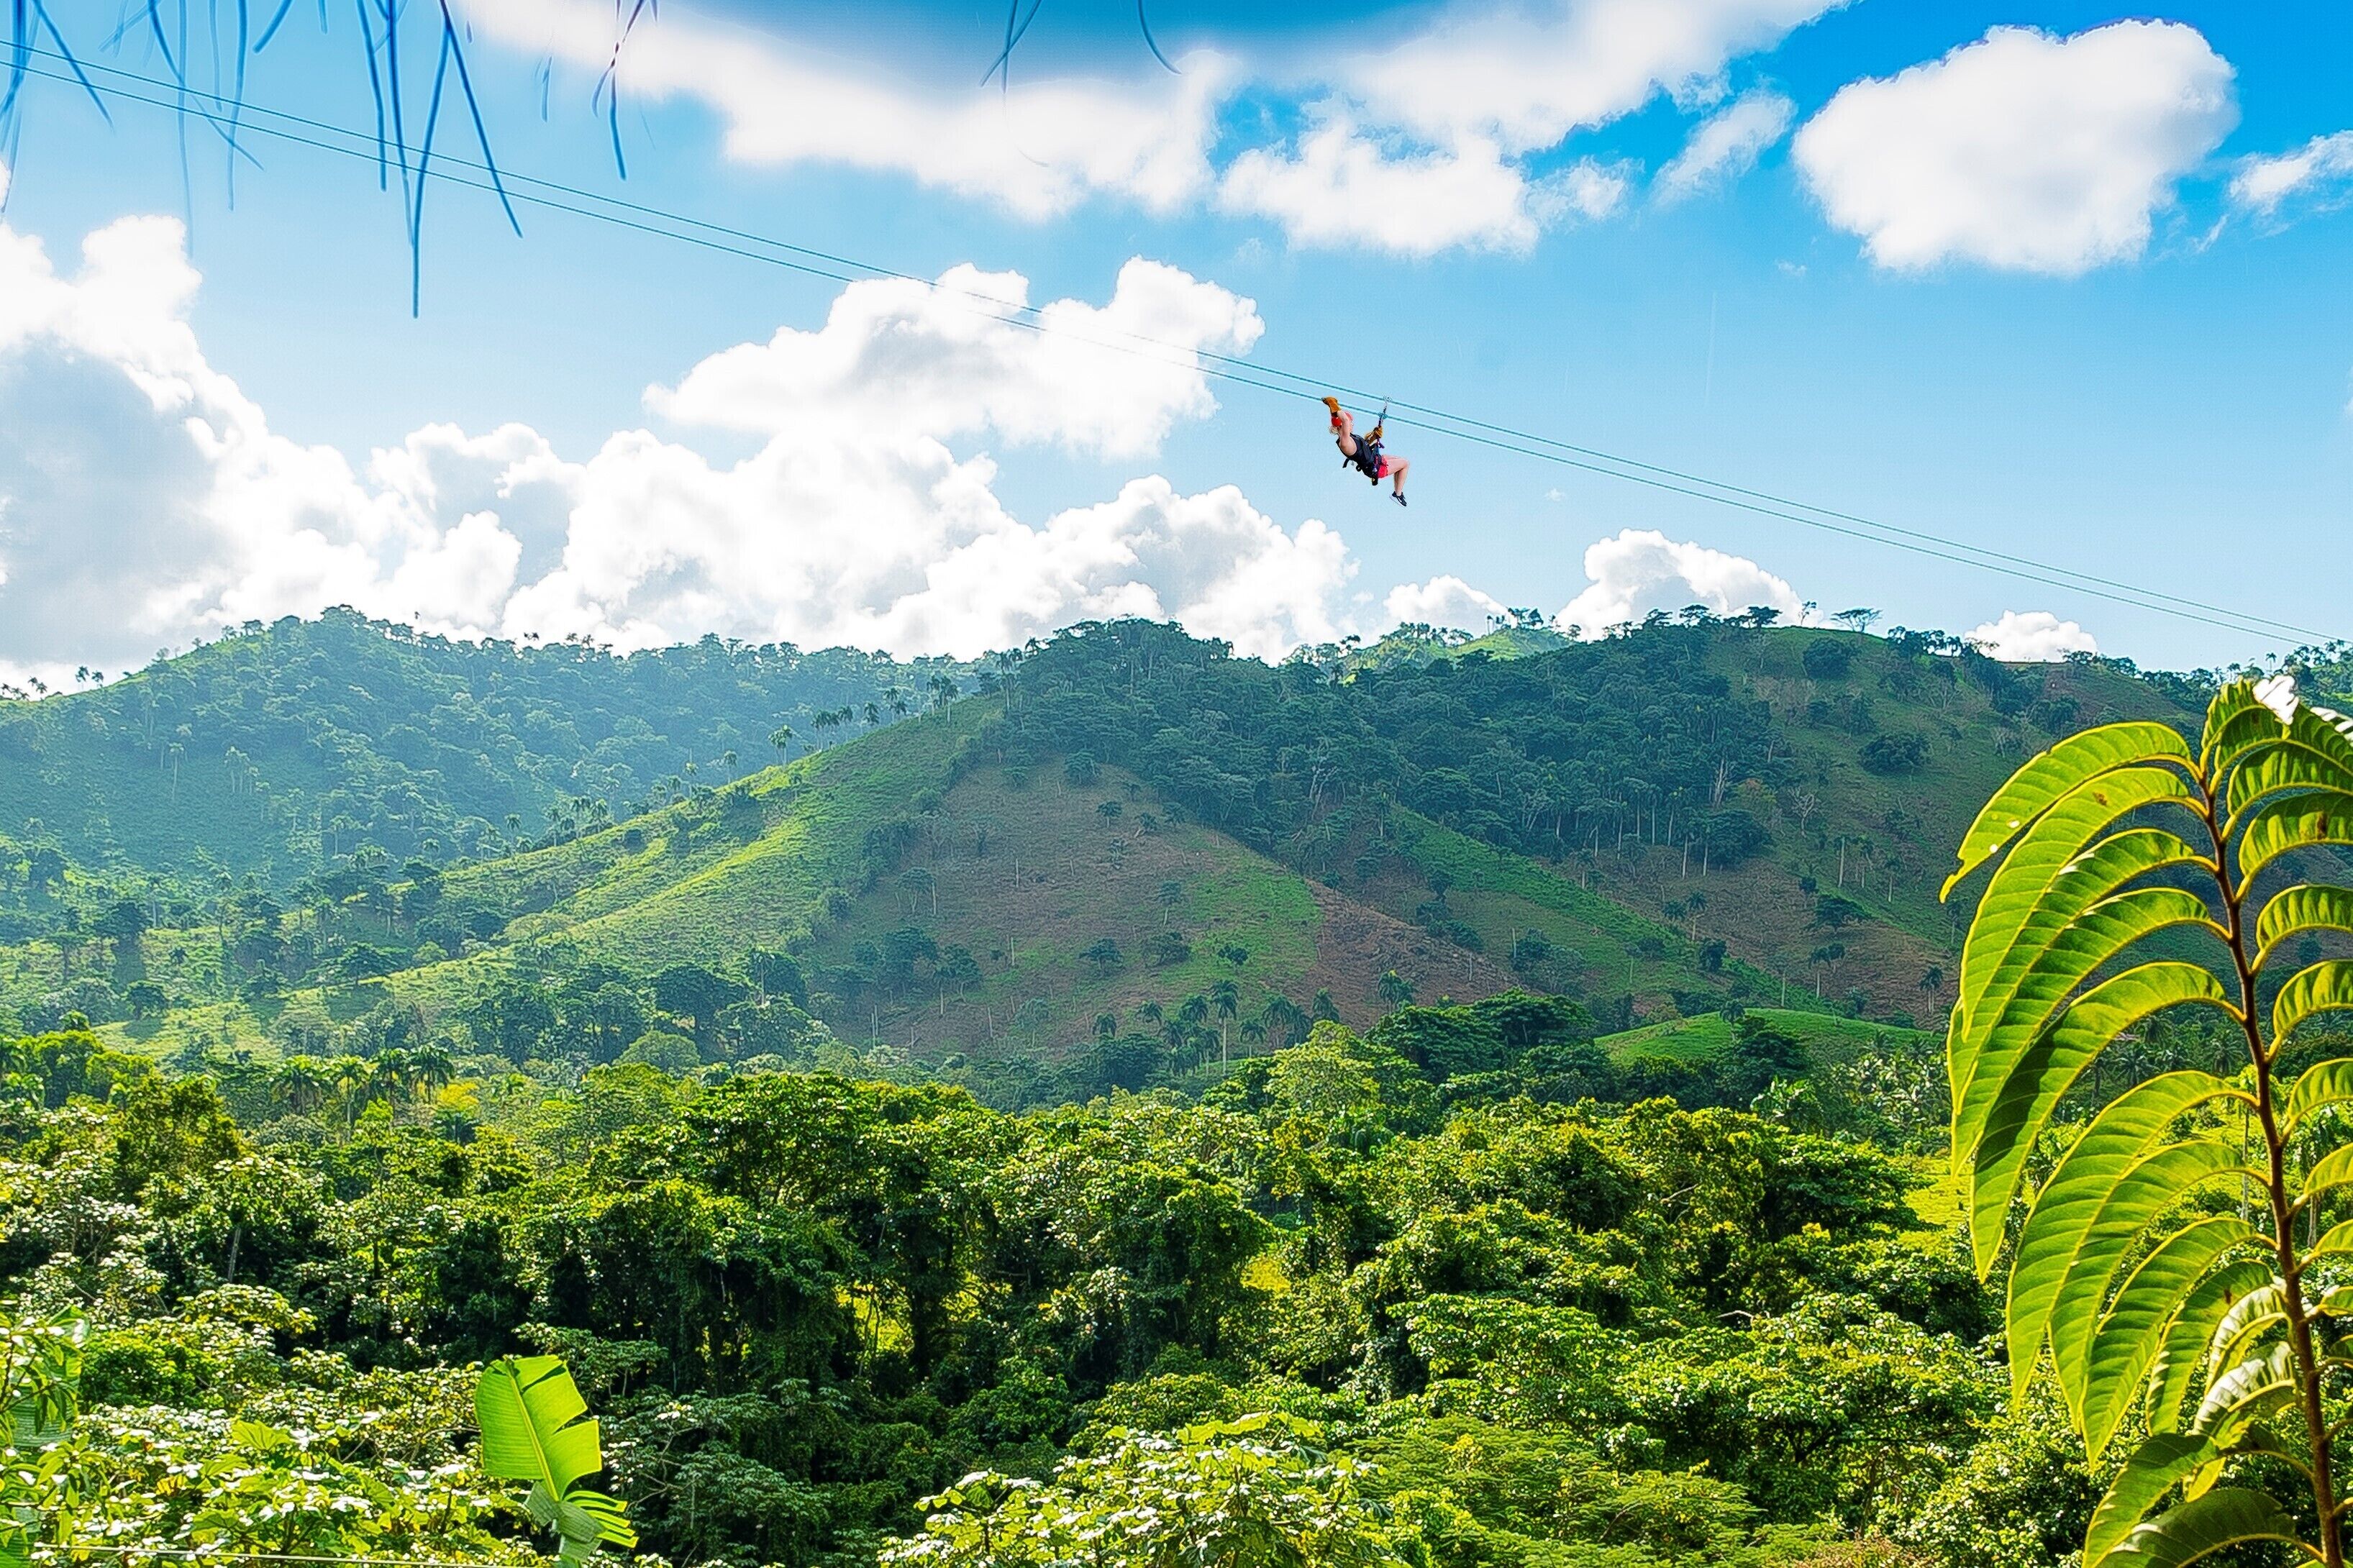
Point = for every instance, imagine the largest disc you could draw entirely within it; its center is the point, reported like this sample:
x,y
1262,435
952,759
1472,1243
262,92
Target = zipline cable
x,y
1224,367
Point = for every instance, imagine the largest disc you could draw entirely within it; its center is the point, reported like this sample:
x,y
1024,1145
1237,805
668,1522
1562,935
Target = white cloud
x,y
1525,75
2023,150
1342,188
1589,189
1415,149
1726,145
1639,569
1445,601
2033,637
144,500
1039,147
2320,171
901,354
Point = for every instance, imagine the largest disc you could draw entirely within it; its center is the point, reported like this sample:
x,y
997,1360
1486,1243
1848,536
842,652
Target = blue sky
x,y
2040,278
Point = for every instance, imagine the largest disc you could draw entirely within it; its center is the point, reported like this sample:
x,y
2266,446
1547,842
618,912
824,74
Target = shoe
x,y
1398,496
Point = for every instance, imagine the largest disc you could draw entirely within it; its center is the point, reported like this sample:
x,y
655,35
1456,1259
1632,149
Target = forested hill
x,y
1132,847
279,748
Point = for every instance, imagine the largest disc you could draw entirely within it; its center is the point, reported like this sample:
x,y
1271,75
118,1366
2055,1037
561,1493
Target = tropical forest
x,y
1724,1092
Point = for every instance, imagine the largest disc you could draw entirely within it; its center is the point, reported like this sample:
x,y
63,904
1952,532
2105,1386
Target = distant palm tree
x,y
433,1065
873,714
1396,989
1226,998
299,1085
781,737
1106,1026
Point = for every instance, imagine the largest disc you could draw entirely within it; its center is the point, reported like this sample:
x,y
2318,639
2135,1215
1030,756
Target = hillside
x,y
1143,840
280,749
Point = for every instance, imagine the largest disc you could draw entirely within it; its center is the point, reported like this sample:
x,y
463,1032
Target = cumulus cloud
x,y
1726,145
944,359
1415,148
2033,637
2319,171
1525,75
1339,187
1639,569
2023,150
1038,148
1445,601
144,499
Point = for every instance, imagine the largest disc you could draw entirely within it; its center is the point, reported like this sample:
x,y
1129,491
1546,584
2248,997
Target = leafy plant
x,y
536,1428
2166,1311
40,1364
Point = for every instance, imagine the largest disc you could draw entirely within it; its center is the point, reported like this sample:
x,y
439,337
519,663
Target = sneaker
x,y
1398,496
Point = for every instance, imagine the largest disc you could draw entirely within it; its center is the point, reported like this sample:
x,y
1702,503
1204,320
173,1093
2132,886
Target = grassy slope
x,y
1827,1038
753,867
1026,872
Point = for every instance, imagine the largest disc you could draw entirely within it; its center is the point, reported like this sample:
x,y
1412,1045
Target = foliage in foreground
x,y
2159,1259
801,1305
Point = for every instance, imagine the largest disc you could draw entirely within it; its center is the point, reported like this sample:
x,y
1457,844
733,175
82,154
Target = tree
x,y
1104,953
145,999
121,922
1172,894
2133,1290
1226,998
918,882
1857,619
781,737
1396,990
1245,1494
1233,953
1106,1026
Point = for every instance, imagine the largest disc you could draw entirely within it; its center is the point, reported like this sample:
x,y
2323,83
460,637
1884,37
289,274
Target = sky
x,y
2048,281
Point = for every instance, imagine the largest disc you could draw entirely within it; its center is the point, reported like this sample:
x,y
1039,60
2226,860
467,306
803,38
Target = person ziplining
x,y
1364,452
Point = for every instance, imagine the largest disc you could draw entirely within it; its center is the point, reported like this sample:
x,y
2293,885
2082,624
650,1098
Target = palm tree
x,y
433,1066
781,737
1106,1026
299,1085
873,714
1226,998
1396,990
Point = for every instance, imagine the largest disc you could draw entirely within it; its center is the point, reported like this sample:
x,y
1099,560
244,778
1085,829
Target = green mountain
x,y
280,749
1139,837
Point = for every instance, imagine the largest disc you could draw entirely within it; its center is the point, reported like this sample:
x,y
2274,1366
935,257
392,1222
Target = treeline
x,y
1531,1332
281,747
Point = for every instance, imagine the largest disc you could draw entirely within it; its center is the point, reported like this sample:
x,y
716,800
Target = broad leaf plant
x,y
2172,1263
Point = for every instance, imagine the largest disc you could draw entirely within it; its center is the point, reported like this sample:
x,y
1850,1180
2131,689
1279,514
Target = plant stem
x,y
2299,1321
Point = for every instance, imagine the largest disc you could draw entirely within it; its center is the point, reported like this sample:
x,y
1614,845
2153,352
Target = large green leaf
x,y
2159,1461
2041,1074
2253,1388
2052,873
2337,1239
2201,1527
2292,911
2183,1352
2135,1323
2323,1083
2294,822
2050,774
2076,886
2323,987
2334,1169
2263,1307
2235,721
2133,1201
536,1430
2286,765
2053,953
2078,1191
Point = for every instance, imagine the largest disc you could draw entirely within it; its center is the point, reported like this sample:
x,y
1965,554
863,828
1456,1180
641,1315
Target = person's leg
x,y
1397,468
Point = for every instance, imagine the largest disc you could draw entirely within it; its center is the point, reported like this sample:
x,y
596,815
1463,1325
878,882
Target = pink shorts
x,y
1388,467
